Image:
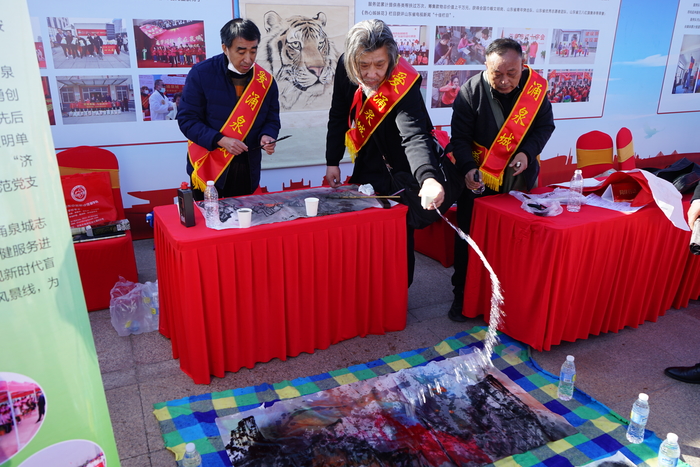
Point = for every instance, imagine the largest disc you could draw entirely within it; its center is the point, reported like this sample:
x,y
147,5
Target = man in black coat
x,y
401,138
212,90
482,107
688,374
41,402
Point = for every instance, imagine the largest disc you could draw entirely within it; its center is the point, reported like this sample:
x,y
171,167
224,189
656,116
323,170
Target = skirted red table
x,y
578,274
232,298
437,240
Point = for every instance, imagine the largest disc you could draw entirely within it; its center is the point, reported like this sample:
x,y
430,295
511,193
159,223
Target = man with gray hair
x,y
378,111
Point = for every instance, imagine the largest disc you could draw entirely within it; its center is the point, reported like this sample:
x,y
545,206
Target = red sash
x,y
209,165
494,160
377,107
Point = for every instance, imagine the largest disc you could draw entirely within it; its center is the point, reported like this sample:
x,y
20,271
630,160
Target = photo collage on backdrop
x,y
565,57
94,62
99,57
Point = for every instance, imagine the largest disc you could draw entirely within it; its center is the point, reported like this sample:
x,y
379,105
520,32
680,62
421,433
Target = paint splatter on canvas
x,y
434,415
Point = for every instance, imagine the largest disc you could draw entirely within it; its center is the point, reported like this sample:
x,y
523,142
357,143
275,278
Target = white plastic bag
x,y
544,205
133,307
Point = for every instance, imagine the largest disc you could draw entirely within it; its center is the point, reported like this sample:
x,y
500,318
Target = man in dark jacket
x,y
688,374
96,42
370,79
219,140
501,121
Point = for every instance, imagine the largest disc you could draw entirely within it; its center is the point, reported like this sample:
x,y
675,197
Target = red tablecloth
x,y
232,298
100,264
573,275
437,241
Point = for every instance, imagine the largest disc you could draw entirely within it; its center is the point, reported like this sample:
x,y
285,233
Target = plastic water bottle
x,y
669,451
133,326
192,457
477,178
567,378
638,419
575,192
211,205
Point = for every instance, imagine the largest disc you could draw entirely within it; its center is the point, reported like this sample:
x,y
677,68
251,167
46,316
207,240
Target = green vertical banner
x,y
53,409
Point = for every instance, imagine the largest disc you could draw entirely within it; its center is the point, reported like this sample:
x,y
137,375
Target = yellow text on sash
x,y
493,161
209,165
376,108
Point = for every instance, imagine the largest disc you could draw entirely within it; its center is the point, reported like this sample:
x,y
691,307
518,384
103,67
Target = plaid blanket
x,y
601,431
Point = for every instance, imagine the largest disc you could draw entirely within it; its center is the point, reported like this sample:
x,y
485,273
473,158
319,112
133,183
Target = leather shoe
x,y
687,374
455,313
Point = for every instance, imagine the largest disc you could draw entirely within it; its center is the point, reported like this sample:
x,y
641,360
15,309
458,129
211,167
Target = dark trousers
x,y
237,181
465,206
411,253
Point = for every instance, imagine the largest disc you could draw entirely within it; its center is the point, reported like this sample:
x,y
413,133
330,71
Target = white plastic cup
x,y
311,206
426,201
245,216
428,196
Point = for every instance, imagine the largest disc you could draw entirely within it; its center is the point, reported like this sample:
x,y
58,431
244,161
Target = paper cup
x,y
245,216
311,206
428,195
426,201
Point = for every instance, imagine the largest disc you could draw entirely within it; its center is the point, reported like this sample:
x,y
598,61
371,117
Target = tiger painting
x,y
302,59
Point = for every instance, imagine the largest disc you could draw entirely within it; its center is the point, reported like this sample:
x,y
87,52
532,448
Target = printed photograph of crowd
x,y
22,410
96,99
461,45
569,85
412,42
162,43
574,46
415,53
160,96
88,43
686,77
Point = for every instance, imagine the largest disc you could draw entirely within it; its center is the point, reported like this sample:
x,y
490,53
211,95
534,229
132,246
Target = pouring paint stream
x,y
496,313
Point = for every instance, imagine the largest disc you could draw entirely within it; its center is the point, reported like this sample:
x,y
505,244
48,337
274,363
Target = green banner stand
x,y
53,409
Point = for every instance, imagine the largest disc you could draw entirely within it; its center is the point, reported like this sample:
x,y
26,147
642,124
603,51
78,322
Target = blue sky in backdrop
x,y
639,57
643,38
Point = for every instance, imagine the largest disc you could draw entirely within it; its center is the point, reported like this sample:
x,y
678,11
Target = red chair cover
x,y
594,153
100,262
625,149
437,241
